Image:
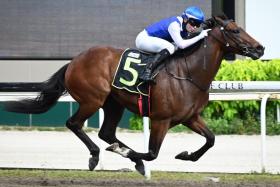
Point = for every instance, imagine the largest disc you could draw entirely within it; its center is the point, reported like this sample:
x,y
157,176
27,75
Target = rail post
x,y
146,130
263,131
101,155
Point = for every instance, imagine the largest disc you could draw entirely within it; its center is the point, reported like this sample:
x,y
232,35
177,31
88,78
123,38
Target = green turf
x,y
156,175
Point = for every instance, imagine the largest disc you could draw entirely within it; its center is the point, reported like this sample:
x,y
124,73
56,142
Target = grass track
x,y
156,175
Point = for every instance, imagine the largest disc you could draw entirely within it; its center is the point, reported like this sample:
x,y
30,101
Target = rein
x,y
226,37
189,77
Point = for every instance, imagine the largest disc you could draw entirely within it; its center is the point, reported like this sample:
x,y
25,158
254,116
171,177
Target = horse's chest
x,y
177,101
192,104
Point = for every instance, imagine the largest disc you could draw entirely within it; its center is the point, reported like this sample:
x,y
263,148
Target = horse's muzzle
x,y
253,52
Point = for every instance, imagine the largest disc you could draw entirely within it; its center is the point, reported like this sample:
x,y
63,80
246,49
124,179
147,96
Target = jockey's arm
x,y
174,30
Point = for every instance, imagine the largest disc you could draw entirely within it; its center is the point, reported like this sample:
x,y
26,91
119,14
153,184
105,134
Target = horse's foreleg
x,y
198,125
112,115
75,124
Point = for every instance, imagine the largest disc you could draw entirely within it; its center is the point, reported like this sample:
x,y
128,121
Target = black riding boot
x,y
156,61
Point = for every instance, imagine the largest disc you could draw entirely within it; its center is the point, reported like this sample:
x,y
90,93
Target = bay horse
x,y
178,97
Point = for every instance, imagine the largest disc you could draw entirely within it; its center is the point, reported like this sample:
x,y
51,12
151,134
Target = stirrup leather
x,y
146,76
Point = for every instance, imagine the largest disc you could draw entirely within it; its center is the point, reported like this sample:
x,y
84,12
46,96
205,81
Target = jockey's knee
x,y
171,48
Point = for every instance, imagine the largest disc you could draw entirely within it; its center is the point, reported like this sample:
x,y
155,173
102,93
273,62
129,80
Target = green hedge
x,y
238,117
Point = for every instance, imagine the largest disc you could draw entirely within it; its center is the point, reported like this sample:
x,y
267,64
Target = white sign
x,y
245,85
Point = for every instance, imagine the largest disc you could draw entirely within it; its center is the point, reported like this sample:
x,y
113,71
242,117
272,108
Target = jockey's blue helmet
x,y
194,13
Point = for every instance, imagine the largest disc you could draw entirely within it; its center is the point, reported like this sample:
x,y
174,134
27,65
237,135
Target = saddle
x,y
132,64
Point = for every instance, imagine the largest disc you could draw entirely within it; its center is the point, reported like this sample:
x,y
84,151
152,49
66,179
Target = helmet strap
x,y
184,26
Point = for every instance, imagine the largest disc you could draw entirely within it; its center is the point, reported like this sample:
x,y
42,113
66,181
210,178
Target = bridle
x,y
228,37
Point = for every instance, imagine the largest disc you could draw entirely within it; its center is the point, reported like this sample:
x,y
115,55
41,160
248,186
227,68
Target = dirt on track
x,y
39,181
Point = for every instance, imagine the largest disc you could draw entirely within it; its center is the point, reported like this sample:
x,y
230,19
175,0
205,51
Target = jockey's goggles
x,y
194,23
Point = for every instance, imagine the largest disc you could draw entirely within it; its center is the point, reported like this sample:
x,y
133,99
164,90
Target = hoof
x,y
93,161
183,156
186,156
140,167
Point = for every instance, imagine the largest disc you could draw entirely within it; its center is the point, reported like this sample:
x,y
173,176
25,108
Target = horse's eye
x,y
236,31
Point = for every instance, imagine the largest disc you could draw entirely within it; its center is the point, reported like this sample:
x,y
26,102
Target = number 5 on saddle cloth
x,y
131,65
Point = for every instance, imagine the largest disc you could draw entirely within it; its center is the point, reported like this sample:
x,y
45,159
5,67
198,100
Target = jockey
x,y
165,36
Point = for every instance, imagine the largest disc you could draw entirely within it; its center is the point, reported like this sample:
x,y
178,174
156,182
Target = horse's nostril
x,y
260,48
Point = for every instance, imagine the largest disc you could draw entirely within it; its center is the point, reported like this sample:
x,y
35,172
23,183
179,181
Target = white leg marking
x,y
116,148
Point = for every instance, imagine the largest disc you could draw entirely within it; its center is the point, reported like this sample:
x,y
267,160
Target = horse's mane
x,y
208,24
212,22
189,50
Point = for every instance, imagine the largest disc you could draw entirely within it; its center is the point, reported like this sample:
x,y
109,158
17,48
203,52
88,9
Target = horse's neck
x,y
202,65
211,60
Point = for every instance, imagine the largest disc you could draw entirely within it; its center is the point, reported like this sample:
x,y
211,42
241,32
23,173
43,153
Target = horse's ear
x,y
209,23
222,16
220,19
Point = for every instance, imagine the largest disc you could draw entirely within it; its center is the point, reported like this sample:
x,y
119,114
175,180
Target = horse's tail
x,y
50,91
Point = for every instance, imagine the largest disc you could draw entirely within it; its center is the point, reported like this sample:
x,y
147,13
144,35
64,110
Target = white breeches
x,y
153,44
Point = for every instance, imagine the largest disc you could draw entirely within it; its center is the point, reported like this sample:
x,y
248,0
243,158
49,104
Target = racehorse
x,y
178,97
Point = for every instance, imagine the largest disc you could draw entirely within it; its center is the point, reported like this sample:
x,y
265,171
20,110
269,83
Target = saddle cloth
x,y
131,65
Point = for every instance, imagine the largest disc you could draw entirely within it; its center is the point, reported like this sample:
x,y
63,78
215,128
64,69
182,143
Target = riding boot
x,y
156,61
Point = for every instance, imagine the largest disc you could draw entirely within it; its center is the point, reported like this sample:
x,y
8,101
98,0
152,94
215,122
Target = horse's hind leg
x,y
112,115
75,124
198,125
